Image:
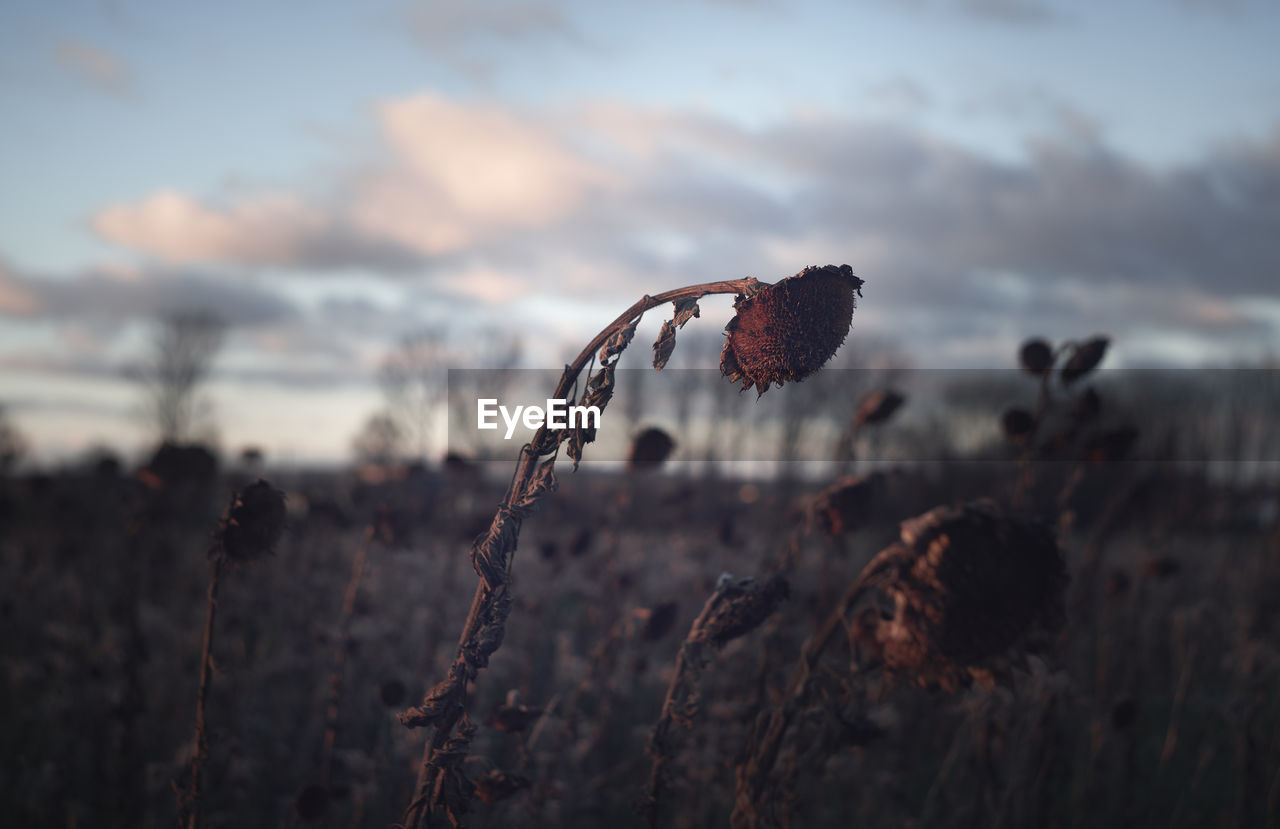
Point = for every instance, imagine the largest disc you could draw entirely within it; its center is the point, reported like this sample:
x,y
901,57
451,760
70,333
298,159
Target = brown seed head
x,y
1035,356
252,525
878,406
658,620
649,449
743,607
846,505
967,584
788,330
1084,358
1017,424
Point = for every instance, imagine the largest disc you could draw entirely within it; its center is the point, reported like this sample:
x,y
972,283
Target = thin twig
x,y
191,800
340,653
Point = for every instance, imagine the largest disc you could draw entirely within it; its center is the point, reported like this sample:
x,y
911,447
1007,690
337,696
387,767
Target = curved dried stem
x,y
342,645
753,776
443,793
189,800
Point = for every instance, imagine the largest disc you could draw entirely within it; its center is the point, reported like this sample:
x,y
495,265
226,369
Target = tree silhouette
x,y
182,355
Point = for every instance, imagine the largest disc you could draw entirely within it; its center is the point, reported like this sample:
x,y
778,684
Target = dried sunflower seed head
x,y
788,330
878,406
967,583
649,449
846,505
743,607
1017,424
1035,356
1084,358
253,523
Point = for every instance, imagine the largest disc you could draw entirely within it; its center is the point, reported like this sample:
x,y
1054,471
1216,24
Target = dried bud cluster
x,y
846,505
649,449
1035,356
1084,358
1066,425
742,607
878,406
967,583
788,330
253,523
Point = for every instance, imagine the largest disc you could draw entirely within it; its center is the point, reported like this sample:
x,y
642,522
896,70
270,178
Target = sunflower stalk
x,y
437,800
771,341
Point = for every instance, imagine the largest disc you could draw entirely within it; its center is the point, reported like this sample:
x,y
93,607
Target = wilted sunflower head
x,y
788,330
253,523
968,583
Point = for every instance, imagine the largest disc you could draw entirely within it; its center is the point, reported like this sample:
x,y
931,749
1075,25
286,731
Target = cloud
x,y
103,296
16,298
600,202
273,229
464,172
457,175
466,35
997,11
104,71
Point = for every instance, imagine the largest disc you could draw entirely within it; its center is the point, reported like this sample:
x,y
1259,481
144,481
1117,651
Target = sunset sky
x,y
331,176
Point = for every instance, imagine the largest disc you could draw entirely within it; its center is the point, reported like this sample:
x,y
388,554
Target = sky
x,y
330,177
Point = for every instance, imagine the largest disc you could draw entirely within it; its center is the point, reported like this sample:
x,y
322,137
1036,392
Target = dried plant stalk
x,y
189,801
338,665
249,530
777,343
442,793
968,583
733,610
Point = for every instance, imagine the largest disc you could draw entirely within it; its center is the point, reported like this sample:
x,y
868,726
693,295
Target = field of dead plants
x,y
1045,633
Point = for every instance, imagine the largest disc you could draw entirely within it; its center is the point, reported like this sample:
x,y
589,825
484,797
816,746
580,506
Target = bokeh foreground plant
x,y
248,532
780,332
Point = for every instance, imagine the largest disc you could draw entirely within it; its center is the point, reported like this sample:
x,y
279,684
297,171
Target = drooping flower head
x,y
968,583
788,330
253,523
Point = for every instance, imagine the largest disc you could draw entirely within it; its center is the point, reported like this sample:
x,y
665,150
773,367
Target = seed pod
x,y
968,583
878,406
252,525
649,449
845,506
1035,356
392,693
788,330
1085,357
658,620
1017,424
743,607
